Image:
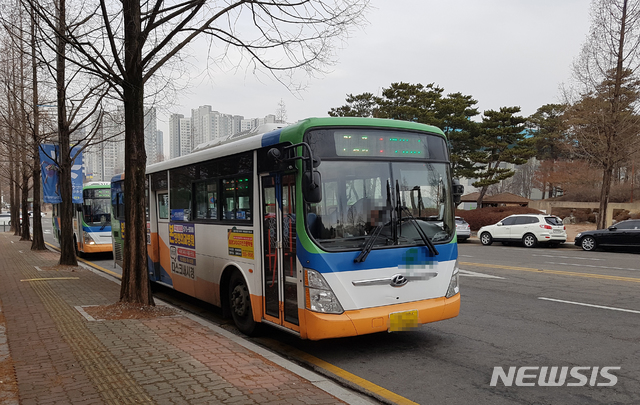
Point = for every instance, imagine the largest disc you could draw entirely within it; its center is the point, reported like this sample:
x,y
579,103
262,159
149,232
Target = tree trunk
x,y
38,237
483,191
15,204
25,234
67,249
135,286
604,197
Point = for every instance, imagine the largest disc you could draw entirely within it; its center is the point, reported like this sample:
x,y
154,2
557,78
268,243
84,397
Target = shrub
x,y
584,215
490,215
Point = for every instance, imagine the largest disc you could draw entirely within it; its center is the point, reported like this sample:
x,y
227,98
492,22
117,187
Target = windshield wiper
x,y
366,249
425,238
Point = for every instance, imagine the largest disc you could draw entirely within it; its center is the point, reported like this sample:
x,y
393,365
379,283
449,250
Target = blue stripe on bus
x,y
343,261
271,138
96,228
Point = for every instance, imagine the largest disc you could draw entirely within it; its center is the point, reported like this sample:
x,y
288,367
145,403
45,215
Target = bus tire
x,y
240,305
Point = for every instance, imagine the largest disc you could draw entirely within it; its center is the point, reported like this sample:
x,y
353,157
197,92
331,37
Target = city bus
x,y
91,219
326,228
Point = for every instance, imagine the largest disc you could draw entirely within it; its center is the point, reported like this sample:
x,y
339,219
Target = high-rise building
x,y
197,125
150,135
113,141
104,157
174,135
160,143
185,136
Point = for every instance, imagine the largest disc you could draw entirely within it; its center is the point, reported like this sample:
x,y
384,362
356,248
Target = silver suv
x,y
529,229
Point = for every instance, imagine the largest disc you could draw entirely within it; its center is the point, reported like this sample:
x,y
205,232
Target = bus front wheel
x,y
240,304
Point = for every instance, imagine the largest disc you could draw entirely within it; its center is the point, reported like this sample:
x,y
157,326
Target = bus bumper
x,y
371,320
100,248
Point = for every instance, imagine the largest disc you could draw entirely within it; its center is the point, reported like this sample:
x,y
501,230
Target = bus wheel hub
x,y
240,300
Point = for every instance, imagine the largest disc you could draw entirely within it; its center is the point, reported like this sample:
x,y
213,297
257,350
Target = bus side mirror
x,y
311,189
457,191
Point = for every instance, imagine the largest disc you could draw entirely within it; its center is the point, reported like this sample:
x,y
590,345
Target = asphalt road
x,y
508,318
542,307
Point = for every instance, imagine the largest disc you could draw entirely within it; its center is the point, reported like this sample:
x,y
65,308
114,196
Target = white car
x,y
529,229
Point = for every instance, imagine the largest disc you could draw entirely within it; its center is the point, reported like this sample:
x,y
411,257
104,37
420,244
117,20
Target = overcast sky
x,y
501,52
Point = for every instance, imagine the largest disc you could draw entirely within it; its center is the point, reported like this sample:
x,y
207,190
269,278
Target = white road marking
x,y
568,257
592,265
465,256
469,273
590,305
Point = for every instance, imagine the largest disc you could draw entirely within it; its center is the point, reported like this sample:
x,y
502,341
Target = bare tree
x,y
281,112
603,123
127,43
38,237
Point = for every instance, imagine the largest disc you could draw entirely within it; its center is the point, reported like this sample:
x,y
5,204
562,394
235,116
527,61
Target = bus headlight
x,y
454,286
88,240
318,295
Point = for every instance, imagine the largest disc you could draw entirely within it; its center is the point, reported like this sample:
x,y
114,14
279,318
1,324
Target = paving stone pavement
x,y
61,357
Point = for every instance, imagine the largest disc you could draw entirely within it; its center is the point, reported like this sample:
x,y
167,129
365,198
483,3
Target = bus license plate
x,y
400,321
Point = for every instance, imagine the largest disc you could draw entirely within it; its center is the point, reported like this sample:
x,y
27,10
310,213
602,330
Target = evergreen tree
x,y
360,105
409,102
501,140
549,136
454,115
426,105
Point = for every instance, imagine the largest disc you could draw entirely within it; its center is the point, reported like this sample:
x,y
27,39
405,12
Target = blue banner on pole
x,y
50,171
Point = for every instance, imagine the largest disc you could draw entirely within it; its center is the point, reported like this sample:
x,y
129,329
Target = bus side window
x,y
180,193
236,198
163,206
206,199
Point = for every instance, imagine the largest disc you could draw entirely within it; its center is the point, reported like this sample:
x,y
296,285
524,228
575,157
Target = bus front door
x,y
279,281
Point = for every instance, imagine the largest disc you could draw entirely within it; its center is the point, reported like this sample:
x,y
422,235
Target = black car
x,y
622,234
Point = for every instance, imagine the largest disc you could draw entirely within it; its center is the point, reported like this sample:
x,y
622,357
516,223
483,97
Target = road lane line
x,y
569,257
280,347
469,273
590,305
556,272
594,266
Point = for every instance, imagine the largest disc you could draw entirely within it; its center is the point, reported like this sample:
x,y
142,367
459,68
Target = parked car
x,y
529,229
622,234
462,229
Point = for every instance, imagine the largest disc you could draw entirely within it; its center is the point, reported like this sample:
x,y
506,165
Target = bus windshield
x,y
396,197
97,211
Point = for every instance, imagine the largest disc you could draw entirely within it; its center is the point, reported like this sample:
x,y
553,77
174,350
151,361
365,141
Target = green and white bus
x,y
91,221
326,228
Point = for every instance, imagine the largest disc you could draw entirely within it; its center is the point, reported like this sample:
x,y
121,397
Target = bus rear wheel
x,y
240,305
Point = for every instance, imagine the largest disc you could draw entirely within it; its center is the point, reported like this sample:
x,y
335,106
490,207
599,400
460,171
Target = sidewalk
x,y
52,353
